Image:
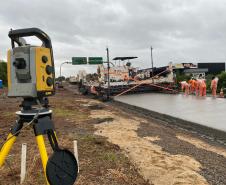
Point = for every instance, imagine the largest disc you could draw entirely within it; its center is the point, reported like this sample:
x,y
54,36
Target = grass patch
x,y
8,114
63,112
93,139
110,157
41,177
89,138
71,113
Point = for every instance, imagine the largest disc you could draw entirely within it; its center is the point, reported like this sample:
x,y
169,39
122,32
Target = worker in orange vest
x,y
182,84
192,84
197,86
214,86
185,87
202,88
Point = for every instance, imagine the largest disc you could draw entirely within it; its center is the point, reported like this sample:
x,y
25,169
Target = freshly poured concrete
x,y
206,111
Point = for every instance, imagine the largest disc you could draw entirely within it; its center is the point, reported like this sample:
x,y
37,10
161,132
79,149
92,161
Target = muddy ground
x,y
116,146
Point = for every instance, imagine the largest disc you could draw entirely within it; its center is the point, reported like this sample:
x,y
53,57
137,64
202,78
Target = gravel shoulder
x,y
176,141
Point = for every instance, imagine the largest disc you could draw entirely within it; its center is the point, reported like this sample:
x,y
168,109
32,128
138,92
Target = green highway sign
x,y
95,60
79,60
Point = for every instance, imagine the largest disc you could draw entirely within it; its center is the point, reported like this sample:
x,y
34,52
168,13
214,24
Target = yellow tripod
x,y
62,167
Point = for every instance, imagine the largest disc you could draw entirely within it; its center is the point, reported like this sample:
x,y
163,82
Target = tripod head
x,y
28,103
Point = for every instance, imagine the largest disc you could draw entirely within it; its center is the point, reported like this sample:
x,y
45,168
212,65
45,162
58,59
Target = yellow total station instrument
x,y
31,76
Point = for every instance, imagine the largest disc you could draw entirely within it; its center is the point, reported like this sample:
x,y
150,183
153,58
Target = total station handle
x,y
14,35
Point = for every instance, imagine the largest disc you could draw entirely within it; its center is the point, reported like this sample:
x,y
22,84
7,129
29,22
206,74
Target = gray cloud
x,y
179,30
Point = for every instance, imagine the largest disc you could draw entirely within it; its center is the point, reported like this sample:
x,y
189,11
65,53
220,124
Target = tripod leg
x,y
6,148
41,128
43,153
10,141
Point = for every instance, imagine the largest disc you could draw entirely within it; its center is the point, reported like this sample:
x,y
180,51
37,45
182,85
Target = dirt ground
x,y
100,161
116,146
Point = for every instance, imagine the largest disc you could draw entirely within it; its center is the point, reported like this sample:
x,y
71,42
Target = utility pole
x,y
108,77
152,65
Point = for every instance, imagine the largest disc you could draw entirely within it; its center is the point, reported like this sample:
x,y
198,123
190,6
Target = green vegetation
x,y
110,156
181,77
222,80
60,78
3,72
92,77
7,114
88,138
71,112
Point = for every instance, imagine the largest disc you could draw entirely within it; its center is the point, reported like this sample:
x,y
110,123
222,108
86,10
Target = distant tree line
x,y
92,77
3,72
222,81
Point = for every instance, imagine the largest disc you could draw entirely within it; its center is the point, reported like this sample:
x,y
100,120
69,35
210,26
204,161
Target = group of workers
x,y
198,87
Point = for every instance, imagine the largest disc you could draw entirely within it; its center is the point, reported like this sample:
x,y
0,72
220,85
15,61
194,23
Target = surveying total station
x,y
31,77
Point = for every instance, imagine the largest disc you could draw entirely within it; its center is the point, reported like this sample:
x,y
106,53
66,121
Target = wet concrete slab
x,y
208,111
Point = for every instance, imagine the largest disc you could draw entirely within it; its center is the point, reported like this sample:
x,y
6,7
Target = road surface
x,y
206,111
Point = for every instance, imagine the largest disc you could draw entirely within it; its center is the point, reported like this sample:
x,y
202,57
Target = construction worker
x,y
188,89
192,84
202,88
182,85
185,87
214,86
197,86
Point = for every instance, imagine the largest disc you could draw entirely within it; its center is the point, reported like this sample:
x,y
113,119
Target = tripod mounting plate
x,y
34,112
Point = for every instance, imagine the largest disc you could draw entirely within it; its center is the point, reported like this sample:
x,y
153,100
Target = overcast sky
x,y
178,30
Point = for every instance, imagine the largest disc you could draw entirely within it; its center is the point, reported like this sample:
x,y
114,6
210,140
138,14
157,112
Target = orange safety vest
x,y
193,83
203,84
213,84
